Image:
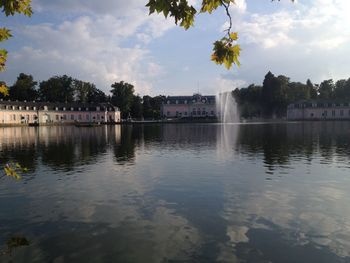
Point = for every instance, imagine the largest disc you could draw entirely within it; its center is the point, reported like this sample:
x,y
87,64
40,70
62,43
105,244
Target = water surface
x,y
177,193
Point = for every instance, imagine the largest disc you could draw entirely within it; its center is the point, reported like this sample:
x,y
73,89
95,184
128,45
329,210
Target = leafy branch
x,y
225,51
10,8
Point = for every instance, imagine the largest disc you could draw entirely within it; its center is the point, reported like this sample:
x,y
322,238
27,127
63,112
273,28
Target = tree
x,y
274,94
122,96
57,89
312,89
326,89
24,88
10,7
225,50
136,107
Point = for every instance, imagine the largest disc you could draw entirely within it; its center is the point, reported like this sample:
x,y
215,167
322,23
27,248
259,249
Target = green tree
x,y
226,50
312,89
57,89
274,94
24,88
86,92
122,96
136,107
326,89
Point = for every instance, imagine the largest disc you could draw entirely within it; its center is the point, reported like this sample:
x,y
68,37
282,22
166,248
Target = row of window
x,y
319,105
8,107
193,113
185,101
332,113
27,118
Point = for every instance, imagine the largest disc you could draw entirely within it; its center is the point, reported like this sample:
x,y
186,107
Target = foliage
x,y
225,50
14,170
24,88
86,92
151,107
10,7
15,242
136,107
57,89
122,97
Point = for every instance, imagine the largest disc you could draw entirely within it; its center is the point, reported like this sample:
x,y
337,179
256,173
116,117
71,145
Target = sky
x,y
116,40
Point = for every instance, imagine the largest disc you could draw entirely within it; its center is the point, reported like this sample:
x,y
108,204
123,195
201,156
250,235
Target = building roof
x,y
52,106
195,98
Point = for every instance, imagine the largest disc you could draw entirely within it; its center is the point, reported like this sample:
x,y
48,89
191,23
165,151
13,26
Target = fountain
x,y
226,107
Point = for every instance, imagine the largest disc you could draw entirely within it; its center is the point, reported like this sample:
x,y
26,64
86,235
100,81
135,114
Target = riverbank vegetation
x,y
272,97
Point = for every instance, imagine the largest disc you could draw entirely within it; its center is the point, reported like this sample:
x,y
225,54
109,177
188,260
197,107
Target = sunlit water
x,y
177,193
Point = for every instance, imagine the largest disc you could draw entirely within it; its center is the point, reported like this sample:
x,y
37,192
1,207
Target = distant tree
x,y
326,89
342,89
24,88
298,91
122,96
86,92
136,107
274,94
57,89
151,106
97,95
312,89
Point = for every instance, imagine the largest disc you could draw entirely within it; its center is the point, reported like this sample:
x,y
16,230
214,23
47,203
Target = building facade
x,y
319,110
16,113
196,106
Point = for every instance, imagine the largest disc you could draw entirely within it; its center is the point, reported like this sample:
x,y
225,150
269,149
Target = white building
x,y
196,106
319,110
16,113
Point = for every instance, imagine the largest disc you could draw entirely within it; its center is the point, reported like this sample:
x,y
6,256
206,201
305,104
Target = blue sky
x,y
117,40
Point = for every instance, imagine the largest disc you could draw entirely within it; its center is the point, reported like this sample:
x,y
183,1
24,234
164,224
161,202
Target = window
x,y
98,116
325,113
312,114
87,117
72,117
79,117
56,108
65,117
57,117
212,112
168,113
185,113
199,112
72,109
333,113
14,117
341,113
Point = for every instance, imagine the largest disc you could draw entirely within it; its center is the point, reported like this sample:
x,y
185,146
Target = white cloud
x,y
91,47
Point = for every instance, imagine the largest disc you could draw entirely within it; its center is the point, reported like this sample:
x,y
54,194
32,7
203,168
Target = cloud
x,y
91,47
299,40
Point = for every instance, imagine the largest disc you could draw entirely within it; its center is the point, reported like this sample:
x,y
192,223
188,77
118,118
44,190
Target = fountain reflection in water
x,y
227,108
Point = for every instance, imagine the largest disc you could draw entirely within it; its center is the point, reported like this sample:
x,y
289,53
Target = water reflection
x,y
165,193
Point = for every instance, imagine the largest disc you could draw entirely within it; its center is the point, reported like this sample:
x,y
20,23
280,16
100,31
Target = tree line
x,y
65,89
272,98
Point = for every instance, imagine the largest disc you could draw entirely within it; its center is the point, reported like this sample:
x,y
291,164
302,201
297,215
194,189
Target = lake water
x,y
177,193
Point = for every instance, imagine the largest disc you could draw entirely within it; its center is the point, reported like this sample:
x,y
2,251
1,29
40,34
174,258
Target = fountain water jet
x,y
226,107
